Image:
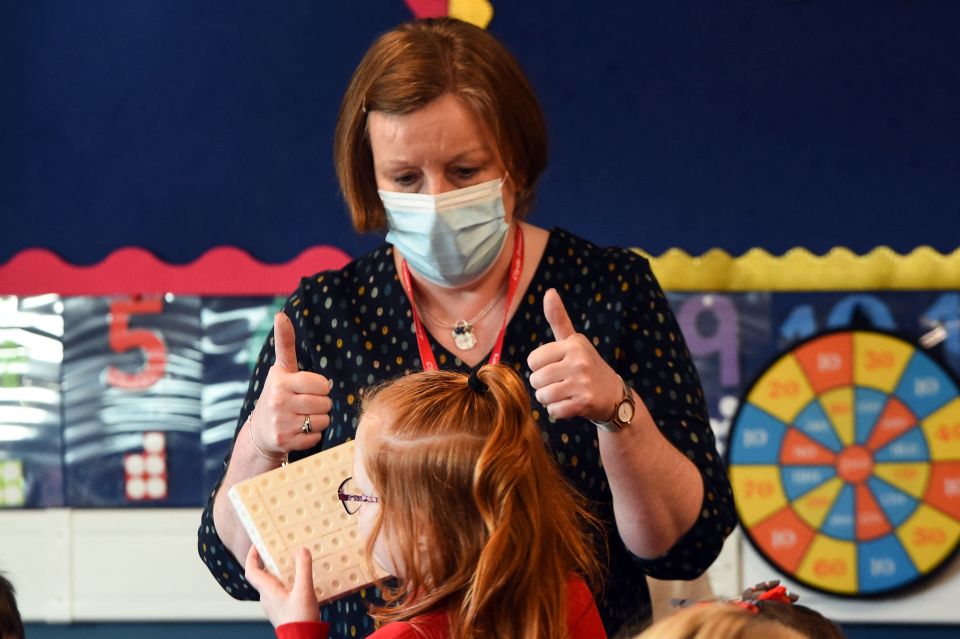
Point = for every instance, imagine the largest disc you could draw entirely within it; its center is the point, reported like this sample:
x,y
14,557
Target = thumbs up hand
x,y
569,376
289,398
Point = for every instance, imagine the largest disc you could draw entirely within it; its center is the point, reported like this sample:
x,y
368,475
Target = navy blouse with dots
x,y
355,327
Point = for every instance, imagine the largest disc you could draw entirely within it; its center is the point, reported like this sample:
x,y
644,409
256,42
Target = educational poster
x,y
31,444
234,330
131,385
845,456
845,463
729,338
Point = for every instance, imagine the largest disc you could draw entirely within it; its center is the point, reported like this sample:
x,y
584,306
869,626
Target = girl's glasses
x,y
351,500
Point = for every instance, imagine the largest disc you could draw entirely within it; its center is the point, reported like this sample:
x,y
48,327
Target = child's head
x,y
11,625
473,514
757,616
718,620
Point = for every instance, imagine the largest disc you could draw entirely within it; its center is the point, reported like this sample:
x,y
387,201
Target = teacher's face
x,y
440,147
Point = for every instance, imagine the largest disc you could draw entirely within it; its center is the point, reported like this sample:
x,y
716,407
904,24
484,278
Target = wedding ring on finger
x,y
306,428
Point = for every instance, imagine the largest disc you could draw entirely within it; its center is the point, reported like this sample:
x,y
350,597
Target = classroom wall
x,y
178,126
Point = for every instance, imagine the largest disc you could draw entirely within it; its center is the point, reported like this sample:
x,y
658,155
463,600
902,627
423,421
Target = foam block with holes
x,y
296,505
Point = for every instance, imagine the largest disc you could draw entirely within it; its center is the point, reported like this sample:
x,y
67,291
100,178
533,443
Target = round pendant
x,y
463,336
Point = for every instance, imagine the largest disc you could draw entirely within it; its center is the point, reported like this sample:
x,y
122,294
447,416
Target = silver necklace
x,y
462,330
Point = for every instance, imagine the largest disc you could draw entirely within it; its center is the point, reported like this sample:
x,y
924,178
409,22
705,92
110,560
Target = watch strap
x,y
611,425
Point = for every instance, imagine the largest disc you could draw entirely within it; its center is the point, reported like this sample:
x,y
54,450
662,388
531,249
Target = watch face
x,y
625,412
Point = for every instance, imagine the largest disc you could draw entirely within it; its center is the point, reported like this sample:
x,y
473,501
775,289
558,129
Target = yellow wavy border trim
x,y
800,270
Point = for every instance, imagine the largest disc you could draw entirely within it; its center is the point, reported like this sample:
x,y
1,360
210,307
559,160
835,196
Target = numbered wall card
x,y
845,463
131,393
729,337
31,445
234,331
295,506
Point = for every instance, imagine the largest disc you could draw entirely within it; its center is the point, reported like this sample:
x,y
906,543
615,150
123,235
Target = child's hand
x,y
299,603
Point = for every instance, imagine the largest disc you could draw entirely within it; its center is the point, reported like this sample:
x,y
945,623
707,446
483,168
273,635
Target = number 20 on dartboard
x,y
148,342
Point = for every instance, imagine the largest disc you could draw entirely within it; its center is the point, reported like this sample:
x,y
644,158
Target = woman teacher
x,y
439,142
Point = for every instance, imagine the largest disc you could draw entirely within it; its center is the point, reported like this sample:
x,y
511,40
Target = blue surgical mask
x,y
450,239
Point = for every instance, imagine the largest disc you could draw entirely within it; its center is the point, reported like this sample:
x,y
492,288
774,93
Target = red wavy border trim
x,y
224,270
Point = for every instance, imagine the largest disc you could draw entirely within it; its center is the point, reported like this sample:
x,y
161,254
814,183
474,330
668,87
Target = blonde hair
x,y
481,518
416,63
718,621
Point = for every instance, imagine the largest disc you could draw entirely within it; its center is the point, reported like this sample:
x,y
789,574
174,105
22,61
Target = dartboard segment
x,y
845,463
797,448
840,521
929,537
838,405
828,362
814,423
883,564
896,504
872,523
830,564
814,506
942,429
869,404
784,536
760,493
879,360
925,387
783,390
909,447
800,480
943,491
911,478
758,439
895,420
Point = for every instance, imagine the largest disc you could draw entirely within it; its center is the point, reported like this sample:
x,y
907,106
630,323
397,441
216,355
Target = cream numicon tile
x,y
296,505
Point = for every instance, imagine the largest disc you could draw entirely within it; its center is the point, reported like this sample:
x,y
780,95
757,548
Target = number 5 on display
x,y
123,339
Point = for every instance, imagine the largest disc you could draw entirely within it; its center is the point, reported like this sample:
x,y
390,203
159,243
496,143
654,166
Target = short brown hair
x,y
416,63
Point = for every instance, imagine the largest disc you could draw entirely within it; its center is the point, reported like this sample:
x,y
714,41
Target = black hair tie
x,y
477,384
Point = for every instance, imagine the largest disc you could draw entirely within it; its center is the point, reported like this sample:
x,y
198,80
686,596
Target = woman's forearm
x,y
657,491
245,462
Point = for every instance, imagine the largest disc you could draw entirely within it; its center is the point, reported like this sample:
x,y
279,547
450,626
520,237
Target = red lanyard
x,y
426,353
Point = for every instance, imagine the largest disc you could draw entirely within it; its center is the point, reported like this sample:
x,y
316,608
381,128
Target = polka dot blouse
x,y
355,326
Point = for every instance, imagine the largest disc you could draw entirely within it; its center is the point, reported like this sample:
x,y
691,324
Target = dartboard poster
x,y
845,463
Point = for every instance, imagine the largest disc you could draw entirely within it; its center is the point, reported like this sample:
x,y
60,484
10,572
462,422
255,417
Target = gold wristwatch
x,y
623,412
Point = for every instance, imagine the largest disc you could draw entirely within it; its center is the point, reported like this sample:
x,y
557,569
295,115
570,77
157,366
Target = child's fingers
x,y
251,568
257,576
303,578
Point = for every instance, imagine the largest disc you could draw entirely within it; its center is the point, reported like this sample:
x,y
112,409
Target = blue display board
x,y
31,437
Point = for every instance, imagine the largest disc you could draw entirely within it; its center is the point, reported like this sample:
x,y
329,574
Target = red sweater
x,y
583,620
